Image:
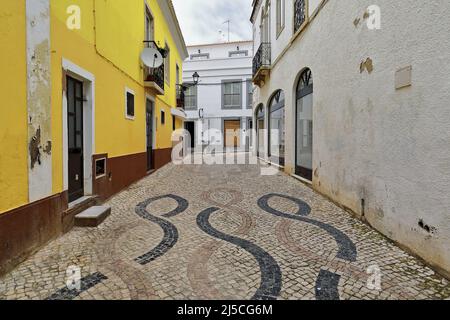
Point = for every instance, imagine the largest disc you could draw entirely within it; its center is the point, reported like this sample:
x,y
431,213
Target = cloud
x,y
202,20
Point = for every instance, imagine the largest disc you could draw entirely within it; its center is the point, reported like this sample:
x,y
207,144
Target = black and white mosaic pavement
x,y
86,283
270,286
223,232
170,237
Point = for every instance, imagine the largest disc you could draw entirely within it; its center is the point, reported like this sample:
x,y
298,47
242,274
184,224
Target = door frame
x,y
153,101
88,80
302,172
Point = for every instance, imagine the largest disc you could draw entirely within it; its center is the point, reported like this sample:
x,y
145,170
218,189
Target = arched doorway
x,y
277,128
260,129
304,126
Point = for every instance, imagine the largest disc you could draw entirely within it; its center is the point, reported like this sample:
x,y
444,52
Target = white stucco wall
x,y
389,147
38,97
212,72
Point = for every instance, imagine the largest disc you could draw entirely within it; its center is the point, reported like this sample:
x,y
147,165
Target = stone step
x,y
76,207
92,217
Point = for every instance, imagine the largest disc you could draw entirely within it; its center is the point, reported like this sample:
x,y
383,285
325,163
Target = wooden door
x,y
232,133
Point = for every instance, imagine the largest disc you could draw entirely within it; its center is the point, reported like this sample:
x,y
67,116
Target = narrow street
x,y
223,232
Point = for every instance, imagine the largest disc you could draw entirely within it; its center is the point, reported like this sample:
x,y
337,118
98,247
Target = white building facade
x,y
219,107
360,95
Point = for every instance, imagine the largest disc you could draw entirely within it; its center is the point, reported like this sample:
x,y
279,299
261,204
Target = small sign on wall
x,y
403,78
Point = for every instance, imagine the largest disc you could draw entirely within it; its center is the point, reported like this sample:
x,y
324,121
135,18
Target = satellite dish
x,y
152,58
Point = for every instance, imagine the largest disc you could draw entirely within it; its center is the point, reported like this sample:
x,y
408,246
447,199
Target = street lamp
x,y
196,77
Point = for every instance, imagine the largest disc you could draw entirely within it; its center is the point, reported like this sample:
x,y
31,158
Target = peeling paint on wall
x,y
366,65
39,99
34,149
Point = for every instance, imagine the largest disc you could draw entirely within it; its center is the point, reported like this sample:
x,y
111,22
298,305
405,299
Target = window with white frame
x,y
231,94
129,104
281,15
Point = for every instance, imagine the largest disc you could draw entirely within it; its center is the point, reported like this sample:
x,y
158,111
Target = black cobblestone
x,y
86,283
347,249
170,237
271,277
327,285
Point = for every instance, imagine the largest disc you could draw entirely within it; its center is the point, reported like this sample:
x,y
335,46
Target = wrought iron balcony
x,y
154,77
261,63
299,14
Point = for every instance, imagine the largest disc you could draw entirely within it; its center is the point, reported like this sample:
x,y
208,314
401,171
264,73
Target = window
x,y
277,128
232,94
163,117
280,16
149,26
299,14
239,53
167,65
304,126
100,168
178,74
200,56
129,104
249,94
190,98
174,123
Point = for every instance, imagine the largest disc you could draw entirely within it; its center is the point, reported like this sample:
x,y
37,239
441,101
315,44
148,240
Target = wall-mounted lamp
x,y
195,77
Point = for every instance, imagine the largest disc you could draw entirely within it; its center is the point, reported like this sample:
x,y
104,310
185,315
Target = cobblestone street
x,y
223,232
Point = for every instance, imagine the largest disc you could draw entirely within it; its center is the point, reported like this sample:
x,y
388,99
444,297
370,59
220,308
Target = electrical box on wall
x,y
403,78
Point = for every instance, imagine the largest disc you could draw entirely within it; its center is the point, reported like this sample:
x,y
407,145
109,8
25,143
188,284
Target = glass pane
x,y
79,117
79,141
227,100
277,133
227,89
71,131
79,93
70,96
236,100
261,138
304,132
237,87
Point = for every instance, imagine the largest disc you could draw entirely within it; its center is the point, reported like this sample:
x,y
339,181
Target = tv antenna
x,y
228,22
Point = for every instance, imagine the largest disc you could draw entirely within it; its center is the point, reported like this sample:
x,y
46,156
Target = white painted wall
x,y
39,102
390,147
212,72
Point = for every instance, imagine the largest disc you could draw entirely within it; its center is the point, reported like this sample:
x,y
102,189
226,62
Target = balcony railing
x,y
262,57
299,14
155,76
180,97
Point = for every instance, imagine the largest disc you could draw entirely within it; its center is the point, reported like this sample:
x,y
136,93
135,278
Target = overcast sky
x,y
202,20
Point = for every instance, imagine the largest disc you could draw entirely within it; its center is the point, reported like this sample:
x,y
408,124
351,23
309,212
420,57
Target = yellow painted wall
x,y
109,45
163,36
13,106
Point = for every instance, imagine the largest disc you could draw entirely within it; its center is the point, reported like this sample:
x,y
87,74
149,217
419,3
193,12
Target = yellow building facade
x,y
82,115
